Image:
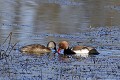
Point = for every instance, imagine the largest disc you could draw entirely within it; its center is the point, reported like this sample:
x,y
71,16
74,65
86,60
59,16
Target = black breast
x,y
68,52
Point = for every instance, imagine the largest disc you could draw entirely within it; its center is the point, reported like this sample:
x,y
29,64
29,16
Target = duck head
x,y
52,45
63,45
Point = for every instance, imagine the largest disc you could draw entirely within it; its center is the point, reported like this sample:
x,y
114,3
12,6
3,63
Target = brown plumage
x,y
38,48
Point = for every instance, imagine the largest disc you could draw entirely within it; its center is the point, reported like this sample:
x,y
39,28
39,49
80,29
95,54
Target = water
x,y
91,23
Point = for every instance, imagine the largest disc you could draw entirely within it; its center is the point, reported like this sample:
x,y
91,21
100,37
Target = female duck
x,y
82,51
39,49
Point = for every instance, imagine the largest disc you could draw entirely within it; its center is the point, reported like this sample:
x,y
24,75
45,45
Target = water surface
x,y
91,23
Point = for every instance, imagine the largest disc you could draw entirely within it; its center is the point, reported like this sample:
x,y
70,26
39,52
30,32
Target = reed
x,y
7,38
5,53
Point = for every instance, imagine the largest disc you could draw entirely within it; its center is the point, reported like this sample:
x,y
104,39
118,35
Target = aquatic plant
x,y
4,53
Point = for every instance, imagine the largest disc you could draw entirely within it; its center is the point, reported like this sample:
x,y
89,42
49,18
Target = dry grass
x,y
5,53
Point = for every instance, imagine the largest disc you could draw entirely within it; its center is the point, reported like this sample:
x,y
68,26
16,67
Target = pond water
x,y
80,22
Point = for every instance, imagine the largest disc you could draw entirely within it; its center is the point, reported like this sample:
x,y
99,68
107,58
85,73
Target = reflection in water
x,y
30,17
91,23
100,13
32,21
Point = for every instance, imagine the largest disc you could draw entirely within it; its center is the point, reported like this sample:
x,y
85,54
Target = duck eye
x,y
61,45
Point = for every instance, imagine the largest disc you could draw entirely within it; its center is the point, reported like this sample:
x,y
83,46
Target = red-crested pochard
x,y
82,51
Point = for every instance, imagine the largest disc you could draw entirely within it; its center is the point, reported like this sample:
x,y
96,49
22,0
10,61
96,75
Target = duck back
x,y
35,48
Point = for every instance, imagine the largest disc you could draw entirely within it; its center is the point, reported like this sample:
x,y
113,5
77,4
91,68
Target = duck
x,y
38,48
82,51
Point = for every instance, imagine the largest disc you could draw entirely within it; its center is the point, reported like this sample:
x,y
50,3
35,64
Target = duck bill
x,y
58,51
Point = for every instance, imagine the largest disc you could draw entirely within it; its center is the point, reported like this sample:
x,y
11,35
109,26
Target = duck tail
x,y
94,52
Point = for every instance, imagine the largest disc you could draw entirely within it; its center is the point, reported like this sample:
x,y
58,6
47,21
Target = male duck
x,y
39,49
82,51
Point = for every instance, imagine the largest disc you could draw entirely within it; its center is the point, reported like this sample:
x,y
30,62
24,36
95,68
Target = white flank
x,y
82,53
